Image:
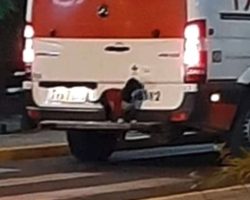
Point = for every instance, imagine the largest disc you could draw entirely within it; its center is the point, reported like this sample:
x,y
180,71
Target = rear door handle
x,y
117,48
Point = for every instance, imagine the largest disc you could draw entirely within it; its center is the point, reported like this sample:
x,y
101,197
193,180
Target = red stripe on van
x,y
125,19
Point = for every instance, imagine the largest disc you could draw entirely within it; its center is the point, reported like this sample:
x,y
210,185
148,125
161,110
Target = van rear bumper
x,y
66,117
100,125
200,112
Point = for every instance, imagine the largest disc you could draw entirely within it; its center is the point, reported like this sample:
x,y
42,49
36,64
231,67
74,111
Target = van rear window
x,y
109,19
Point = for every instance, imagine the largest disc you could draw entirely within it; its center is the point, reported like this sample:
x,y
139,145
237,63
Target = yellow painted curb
x,y
31,152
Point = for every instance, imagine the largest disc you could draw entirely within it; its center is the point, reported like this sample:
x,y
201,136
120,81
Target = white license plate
x,y
70,95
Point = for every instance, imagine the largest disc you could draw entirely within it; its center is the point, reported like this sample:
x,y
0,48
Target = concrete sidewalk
x,y
33,145
32,138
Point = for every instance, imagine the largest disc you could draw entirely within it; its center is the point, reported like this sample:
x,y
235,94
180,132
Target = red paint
x,y
221,115
114,99
127,19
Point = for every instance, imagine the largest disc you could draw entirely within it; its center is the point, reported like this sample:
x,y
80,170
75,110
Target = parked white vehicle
x,y
99,70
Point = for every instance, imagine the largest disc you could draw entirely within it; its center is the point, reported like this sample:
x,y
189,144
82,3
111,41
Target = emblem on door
x,y
103,11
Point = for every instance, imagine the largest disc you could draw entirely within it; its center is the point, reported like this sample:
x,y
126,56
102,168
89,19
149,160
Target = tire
x,y
91,146
239,136
28,124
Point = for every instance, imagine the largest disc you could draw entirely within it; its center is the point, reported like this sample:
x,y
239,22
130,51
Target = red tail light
x,y
195,54
28,51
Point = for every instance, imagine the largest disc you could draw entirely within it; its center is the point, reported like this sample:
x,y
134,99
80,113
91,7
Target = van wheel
x,y
91,146
239,137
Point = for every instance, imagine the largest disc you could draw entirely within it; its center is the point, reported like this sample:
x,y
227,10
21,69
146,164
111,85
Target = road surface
x,y
64,178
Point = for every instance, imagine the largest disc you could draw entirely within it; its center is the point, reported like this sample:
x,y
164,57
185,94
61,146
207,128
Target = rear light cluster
x,y
28,52
195,54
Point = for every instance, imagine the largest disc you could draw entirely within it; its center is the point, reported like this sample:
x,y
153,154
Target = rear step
x,y
102,125
169,151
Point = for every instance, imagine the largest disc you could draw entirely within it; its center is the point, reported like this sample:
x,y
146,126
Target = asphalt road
x,y
65,178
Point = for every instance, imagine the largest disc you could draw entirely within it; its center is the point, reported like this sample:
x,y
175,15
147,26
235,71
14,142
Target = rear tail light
x,y
34,114
28,51
179,117
195,54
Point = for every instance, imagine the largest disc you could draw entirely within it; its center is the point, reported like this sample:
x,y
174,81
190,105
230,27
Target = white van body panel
x,y
158,63
231,37
78,59
158,66
86,61
245,77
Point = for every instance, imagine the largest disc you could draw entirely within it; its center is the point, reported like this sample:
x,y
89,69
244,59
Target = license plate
x,y
70,95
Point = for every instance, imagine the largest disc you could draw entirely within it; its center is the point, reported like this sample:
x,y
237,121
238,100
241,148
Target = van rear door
x,y
108,43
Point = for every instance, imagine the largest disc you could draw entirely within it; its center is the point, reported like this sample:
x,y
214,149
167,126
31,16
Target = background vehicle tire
x,y
91,146
28,124
239,137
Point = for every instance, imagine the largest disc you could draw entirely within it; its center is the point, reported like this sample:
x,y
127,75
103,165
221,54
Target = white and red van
x,y
102,68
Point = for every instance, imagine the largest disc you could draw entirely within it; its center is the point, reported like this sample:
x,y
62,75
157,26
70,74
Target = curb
x,y
31,152
240,192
